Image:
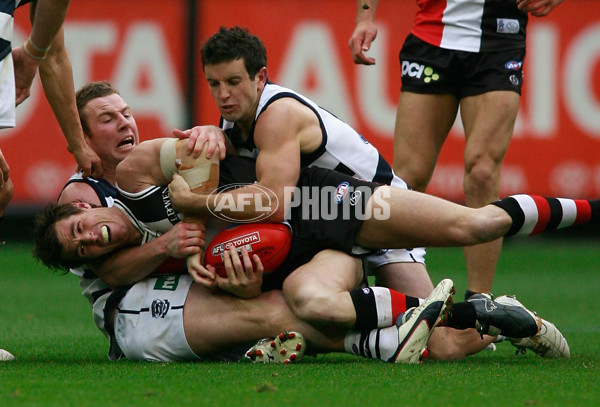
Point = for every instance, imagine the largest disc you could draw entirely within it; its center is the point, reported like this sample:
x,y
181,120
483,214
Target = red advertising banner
x,y
141,47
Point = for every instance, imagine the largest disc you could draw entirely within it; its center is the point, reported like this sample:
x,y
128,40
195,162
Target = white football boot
x,y
547,343
417,324
287,347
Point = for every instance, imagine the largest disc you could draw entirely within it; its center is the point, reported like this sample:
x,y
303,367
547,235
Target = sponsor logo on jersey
x,y
340,192
169,211
160,308
415,70
514,65
245,240
167,282
514,79
507,26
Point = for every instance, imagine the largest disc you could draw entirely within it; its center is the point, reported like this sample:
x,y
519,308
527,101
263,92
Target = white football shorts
x,y
149,320
416,255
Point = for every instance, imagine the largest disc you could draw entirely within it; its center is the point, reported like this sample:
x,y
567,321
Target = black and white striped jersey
x,y
342,149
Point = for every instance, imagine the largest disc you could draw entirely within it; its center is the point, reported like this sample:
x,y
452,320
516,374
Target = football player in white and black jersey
x,y
285,131
67,235
463,53
112,132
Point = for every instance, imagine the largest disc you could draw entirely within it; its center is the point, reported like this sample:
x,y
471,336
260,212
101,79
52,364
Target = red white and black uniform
x,y
471,25
464,47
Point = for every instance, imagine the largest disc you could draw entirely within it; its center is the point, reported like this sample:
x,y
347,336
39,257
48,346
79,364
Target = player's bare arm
x,y
56,76
282,133
133,264
364,33
4,169
6,185
277,135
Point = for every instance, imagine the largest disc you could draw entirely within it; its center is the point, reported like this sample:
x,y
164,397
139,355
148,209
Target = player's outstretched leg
x,y
548,342
533,214
287,347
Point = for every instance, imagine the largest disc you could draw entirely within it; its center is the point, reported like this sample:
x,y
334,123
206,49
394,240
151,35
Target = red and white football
x,y
270,241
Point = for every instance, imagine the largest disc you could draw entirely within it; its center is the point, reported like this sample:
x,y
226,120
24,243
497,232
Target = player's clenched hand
x,y
538,8
199,136
180,194
204,276
87,161
360,42
184,239
243,279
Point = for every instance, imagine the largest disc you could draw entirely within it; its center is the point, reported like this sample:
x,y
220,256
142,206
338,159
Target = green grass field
x,y
61,357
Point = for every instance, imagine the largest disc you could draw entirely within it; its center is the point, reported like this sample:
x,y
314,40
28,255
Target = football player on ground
x,y
285,131
111,131
93,232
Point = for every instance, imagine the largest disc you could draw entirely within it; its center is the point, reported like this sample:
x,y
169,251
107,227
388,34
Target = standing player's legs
x,y
488,121
422,125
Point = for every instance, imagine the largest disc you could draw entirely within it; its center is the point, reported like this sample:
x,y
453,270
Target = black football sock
x,y
378,307
462,315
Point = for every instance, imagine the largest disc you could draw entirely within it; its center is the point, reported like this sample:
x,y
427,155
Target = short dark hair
x,y
230,44
90,91
48,248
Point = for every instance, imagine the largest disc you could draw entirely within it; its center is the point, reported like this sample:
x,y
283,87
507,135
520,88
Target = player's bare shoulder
x,y
289,119
79,191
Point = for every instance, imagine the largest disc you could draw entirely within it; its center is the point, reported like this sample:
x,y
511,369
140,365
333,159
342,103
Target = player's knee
x,y
415,176
309,304
482,178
